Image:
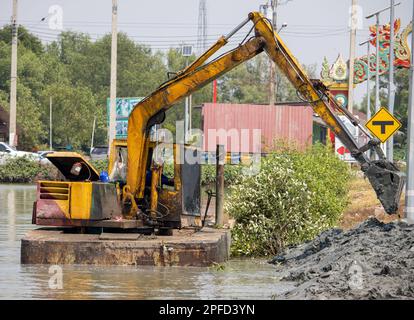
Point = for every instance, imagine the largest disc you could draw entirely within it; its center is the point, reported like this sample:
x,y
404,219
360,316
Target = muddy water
x,y
239,279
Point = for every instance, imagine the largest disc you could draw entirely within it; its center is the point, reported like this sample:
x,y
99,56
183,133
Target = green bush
x,y
100,165
208,173
232,174
295,196
24,170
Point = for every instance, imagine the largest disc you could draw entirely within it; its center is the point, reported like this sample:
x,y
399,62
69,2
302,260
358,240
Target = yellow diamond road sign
x,y
383,125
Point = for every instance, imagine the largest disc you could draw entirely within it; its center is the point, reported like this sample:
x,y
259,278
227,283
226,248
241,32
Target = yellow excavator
x,y
138,198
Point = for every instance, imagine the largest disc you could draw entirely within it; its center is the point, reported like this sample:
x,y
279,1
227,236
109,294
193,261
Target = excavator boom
x,y
385,178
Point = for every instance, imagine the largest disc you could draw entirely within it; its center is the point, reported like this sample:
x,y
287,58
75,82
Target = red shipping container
x,y
237,121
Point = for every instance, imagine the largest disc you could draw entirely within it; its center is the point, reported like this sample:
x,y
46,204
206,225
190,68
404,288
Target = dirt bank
x,y
364,204
373,261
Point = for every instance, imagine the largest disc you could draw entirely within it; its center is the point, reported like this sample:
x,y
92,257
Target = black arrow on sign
x,y
383,125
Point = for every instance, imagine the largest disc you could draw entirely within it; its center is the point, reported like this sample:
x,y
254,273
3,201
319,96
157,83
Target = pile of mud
x,y
373,261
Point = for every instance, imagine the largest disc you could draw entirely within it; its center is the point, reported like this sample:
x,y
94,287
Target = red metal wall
x,y
289,122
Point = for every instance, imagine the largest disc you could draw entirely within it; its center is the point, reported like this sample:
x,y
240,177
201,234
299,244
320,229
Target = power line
x,y
163,23
188,37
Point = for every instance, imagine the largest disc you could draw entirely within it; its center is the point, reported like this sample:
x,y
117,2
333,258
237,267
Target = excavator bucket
x,y
388,183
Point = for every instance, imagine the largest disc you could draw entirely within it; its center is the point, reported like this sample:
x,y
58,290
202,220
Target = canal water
x,y
238,279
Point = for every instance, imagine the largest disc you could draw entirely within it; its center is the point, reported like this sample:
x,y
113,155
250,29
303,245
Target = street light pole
x,y
13,79
409,194
369,88
368,43
391,87
114,48
352,57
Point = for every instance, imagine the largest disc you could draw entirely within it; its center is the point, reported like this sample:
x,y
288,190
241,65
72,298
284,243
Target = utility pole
x,y
114,47
391,87
272,76
220,159
186,121
352,57
187,52
409,194
13,79
186,113
368,43
50,123
190,121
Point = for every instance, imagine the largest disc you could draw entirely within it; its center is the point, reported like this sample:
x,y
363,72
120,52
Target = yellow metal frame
x,y
197,75
116,143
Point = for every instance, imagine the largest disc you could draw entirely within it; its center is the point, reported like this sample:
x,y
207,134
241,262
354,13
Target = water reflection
x,y
238,280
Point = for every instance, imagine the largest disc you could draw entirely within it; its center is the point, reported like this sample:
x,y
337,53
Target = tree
x,y
31,129
285,90
30,126
25,38
73,112
30,82
247,83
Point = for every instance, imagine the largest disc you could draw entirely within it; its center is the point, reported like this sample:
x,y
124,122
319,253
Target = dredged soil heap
x,y
373,261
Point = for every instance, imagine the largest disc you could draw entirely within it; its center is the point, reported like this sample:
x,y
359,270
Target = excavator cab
x,y
172,196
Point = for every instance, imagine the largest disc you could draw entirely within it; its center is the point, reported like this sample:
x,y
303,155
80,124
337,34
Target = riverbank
x,y
371,256
363,204
373,261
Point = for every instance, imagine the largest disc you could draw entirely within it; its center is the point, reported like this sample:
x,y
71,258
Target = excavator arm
x,y
383,175
151,110
385,178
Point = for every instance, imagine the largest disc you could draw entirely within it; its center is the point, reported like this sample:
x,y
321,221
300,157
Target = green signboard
x,y
124,107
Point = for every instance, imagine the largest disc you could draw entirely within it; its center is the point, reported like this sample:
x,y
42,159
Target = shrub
x,y
232,174
24,170
100,165
295,196
208,173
